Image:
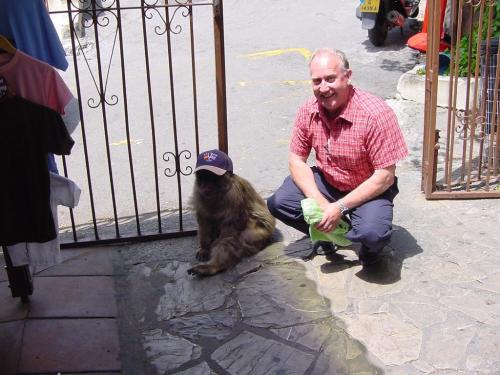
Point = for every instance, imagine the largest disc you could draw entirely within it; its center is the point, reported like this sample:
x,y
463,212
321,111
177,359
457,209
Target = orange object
x,y
419,41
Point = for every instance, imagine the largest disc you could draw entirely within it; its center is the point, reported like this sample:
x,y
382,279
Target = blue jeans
x,y
371,222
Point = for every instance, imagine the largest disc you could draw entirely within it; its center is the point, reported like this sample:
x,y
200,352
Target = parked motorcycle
x,y
379,16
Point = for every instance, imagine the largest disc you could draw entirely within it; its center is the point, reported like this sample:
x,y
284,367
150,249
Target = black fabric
x,y
28,132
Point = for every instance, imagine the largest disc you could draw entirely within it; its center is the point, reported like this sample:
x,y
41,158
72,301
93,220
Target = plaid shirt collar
x,y
346,112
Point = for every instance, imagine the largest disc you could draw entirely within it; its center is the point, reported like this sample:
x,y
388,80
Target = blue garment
x,y
28,23
52,163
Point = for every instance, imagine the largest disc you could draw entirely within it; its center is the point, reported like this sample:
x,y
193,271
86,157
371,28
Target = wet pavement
x,y
430,307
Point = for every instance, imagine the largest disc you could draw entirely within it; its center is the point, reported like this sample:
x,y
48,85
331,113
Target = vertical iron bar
x,y
174,118
220,74
467,100
474,102
432,67
125,109
71,215
82,120
483,103
151,114
495,121
193,72
102,94
453,83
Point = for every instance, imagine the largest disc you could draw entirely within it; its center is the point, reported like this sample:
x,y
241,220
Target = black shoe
x,y
368,258
321,248
325,248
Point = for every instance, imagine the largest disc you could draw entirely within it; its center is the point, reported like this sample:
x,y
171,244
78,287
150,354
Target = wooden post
x,y
220,75
431,86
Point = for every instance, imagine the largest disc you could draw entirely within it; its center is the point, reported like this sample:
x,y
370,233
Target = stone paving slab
x,y
53,344
70,345
11,338
79,296
84,262
252,354
10,309
188,324
431,306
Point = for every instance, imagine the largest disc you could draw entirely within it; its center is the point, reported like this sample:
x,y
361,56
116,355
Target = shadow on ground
x,y
171,223
264,313
388,271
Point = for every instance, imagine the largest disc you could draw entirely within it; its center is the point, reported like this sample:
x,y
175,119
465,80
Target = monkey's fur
x,y
233,221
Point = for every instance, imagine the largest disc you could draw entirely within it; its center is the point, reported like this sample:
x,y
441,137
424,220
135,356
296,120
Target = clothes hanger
x,y
5,91
6,45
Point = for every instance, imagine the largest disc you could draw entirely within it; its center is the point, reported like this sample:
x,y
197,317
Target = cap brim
x,y
216,170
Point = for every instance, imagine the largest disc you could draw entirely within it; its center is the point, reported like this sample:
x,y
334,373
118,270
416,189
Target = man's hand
x,y
331,217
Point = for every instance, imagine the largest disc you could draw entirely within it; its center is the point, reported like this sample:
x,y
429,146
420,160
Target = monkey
x,y
233,219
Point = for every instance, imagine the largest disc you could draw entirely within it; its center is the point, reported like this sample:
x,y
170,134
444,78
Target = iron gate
x,y
461,145
139,69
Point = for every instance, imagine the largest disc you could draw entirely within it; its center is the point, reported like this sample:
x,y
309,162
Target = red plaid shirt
x,y
365,136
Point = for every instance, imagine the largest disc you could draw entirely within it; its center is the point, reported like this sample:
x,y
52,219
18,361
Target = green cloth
x,y
313,214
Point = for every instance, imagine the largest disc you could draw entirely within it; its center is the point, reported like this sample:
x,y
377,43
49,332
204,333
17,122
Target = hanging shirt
x,y
28,131
29,24
40,83
46,254
35,80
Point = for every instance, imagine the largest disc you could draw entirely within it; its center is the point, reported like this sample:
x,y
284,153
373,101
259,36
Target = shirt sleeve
x,y
71,115
385,140
58,94
56,138
300,143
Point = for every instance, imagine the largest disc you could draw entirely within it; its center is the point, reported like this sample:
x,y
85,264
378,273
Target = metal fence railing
x,y
138,68
461,156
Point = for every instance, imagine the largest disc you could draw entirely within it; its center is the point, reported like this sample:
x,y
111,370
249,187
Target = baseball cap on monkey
x,y
215,161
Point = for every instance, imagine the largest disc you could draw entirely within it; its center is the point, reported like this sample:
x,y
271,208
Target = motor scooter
x,y
379,16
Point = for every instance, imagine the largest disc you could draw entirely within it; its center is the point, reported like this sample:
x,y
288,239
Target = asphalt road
x,y
265,89
266,44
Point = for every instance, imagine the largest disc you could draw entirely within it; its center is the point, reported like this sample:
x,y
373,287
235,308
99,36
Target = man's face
x,y
330,82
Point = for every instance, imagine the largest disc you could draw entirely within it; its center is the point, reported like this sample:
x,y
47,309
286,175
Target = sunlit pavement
x,y
430,307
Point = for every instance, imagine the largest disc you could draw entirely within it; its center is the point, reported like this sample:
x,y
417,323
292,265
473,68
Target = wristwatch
x,y
343,208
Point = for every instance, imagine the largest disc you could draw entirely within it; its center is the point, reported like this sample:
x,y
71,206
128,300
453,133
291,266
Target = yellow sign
x,y
369,6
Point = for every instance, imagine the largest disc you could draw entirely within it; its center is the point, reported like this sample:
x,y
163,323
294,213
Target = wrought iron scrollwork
x,y
480,123
465,122
89,14
93,4
186,154
94,11
477,3
473,3
183,8
93,103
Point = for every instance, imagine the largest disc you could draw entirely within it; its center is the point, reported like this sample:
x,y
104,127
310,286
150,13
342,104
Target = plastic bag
x,y
313,214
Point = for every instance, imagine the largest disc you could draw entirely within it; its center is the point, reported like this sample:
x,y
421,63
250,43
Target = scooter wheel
x,y
378,34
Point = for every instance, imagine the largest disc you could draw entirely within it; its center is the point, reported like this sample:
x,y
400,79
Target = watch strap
x,y
343,208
